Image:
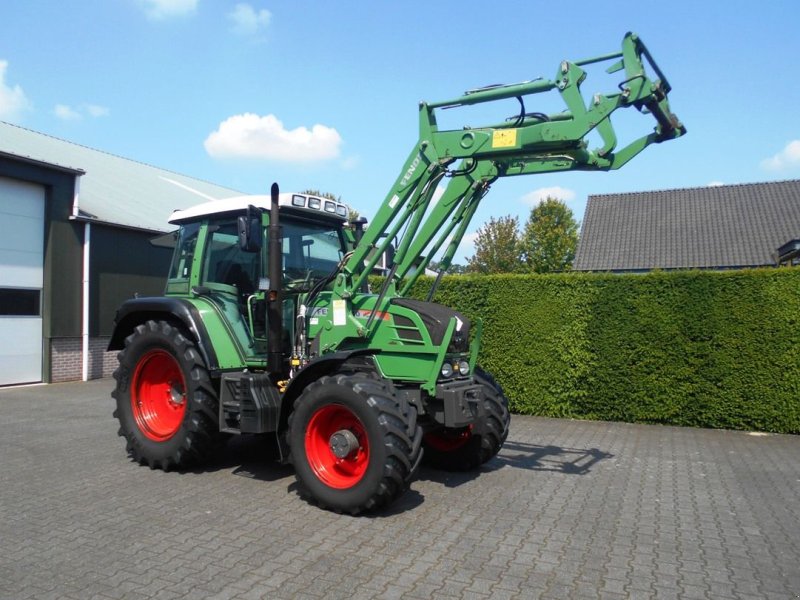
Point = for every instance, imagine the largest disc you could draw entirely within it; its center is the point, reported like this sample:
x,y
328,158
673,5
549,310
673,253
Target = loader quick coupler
x,y
462,403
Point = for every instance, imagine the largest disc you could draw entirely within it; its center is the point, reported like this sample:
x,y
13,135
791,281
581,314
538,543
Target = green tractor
x,y
268,324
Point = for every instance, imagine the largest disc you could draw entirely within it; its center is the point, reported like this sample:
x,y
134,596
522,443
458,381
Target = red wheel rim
x,y
448,440
339,473
158,395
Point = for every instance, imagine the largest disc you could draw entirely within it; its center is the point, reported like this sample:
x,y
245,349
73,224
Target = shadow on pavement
x,y
254,457
533,457
519,455
452,479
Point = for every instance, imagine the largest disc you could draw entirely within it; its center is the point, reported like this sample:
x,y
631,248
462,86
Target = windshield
x,y
311,251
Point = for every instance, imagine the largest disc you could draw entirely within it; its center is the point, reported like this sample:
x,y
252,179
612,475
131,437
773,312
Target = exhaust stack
x,y
275,295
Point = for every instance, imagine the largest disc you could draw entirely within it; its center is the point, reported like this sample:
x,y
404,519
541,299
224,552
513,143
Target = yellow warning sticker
x,y
504,138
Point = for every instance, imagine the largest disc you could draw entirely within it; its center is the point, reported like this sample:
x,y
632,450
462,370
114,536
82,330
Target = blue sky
x,y
324,95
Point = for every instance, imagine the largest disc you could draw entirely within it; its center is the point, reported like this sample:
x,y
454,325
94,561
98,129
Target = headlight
x,y
463,367
447,370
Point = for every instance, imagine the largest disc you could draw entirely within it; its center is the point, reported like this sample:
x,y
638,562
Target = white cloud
x,y
437,194
13,102
350,162
535,197
95,110
788,158
715,183
469,239
466,248
248,20
66,113
253,136
158,10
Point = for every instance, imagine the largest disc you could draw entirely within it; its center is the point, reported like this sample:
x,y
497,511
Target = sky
x,y
324,95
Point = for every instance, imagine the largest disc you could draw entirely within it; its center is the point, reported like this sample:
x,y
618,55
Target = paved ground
x,y
567,510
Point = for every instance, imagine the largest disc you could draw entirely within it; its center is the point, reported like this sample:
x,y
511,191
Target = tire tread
x,y
402,439
199,435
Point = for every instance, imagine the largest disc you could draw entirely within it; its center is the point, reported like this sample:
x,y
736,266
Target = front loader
x,y
268,326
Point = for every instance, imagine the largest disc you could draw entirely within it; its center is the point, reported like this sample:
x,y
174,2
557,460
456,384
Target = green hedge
x,y
693,348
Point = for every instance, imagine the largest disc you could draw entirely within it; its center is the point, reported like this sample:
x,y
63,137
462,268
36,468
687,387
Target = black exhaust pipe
x,y
275,295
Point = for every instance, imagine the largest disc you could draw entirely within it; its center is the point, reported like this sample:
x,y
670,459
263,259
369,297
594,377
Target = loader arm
x,y
530,143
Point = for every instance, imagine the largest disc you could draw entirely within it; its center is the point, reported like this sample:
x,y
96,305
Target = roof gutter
x,y
42,163
86,218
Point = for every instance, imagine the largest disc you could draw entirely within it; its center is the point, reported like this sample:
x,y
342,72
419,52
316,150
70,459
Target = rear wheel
x,y
166,404
355,445
464,449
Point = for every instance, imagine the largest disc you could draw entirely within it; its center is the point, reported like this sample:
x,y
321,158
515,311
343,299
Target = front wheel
x,y
166,405
355,445
463,449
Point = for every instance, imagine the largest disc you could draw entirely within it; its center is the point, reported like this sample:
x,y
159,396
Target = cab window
x,y
184,252
226,263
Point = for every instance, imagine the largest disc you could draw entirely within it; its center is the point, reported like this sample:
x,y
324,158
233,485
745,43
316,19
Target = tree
x,y
497,247
319,194
550,237
454,269
352,213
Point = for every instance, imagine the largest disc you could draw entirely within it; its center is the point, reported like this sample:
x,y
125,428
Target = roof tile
x,y
710,227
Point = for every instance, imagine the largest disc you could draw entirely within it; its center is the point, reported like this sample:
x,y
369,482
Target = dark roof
x,y
728,226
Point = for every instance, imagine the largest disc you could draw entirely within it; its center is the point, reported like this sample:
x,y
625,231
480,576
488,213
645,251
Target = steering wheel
x,y
297,279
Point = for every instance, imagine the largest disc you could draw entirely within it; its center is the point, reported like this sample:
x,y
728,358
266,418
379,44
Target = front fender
x,y
176,310
319,367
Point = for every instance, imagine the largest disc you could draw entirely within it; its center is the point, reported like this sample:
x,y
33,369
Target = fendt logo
x,y
407,177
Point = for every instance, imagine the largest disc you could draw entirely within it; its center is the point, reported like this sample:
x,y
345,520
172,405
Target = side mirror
x,y
249,233
387,260
389,255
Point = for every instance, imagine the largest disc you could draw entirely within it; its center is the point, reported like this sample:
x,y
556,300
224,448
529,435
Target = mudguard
x,y
138,310
319,367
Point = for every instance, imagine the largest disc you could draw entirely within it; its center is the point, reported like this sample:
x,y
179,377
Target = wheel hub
x,y
344,443
175,394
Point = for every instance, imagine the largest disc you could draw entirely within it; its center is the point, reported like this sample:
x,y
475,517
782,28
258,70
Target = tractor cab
x,y
211,260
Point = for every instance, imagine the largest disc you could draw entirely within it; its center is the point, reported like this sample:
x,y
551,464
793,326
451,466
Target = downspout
x,y
87,238
87,244
75,197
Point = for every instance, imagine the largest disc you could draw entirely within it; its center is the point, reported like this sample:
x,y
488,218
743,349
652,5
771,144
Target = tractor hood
x,y
436,319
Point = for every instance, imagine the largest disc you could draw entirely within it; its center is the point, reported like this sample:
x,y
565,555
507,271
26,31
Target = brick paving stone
x,y
568,509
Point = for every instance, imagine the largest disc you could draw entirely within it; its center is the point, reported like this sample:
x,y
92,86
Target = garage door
x,y
21,276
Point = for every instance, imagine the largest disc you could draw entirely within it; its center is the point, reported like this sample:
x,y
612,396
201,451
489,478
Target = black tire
x,y
166,404
383,455
463,449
